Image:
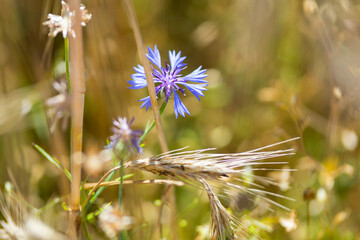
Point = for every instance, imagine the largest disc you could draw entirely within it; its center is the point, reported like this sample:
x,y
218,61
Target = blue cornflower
x,y
123,133
168,80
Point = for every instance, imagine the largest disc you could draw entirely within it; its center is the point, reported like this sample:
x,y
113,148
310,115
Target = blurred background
x,y
277,69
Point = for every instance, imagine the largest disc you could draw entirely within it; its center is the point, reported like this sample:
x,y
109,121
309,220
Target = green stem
x,y
161,110
121,182
121,191
99,191
67,64
66,46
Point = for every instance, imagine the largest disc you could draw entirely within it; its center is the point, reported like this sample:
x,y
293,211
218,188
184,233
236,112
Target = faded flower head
x,y
123,133
112,221
59,106
85,15
63,23
37,230
289,222
96,161
168,80
18,222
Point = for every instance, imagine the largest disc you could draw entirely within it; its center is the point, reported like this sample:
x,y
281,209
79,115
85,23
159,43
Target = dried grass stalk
x,y
150,181
230,170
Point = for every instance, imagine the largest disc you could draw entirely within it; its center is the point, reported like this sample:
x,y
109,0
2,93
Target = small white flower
x,y
113,222
290,223
63,23
85,15
59,106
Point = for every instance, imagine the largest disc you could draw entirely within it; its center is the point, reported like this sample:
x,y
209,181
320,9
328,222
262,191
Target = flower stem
x,y
121,182
162,108
66,46
122,234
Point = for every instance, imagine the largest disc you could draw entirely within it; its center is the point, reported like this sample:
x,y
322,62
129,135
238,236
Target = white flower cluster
x,y
63,23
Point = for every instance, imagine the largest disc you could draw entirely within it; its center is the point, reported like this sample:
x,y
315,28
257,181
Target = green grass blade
x,y
53,161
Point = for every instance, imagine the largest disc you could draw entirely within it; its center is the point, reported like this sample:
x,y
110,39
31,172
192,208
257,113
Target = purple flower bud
x,y
123,133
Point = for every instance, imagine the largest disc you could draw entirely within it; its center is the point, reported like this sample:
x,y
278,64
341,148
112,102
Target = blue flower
x,y
123,133
168,80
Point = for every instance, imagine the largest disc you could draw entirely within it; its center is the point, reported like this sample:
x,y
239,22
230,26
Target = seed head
x,y
233,171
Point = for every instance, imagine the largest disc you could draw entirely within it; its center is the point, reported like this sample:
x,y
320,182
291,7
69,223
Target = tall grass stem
x,y
77,82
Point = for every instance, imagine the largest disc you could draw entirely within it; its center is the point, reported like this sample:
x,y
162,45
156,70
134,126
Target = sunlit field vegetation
x,y
107,131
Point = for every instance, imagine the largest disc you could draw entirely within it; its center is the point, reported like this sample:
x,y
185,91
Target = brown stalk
x,y
151,88
77,113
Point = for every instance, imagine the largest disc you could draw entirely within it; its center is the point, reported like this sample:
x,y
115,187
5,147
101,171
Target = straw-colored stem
x,y
98,183
151,88
149,79
77,113
92,197
150,181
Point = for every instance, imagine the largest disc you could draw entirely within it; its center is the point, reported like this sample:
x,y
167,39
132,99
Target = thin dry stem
x,y
150,181
151,88
149,79
99,183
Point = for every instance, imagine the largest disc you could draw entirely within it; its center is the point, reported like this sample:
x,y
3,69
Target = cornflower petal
x,y
146,102
154,56
197,76
140,72
176,61
179,107
196,89
137,83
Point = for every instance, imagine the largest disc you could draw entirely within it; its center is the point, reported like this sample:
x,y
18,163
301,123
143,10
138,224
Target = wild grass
x,y
276,71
